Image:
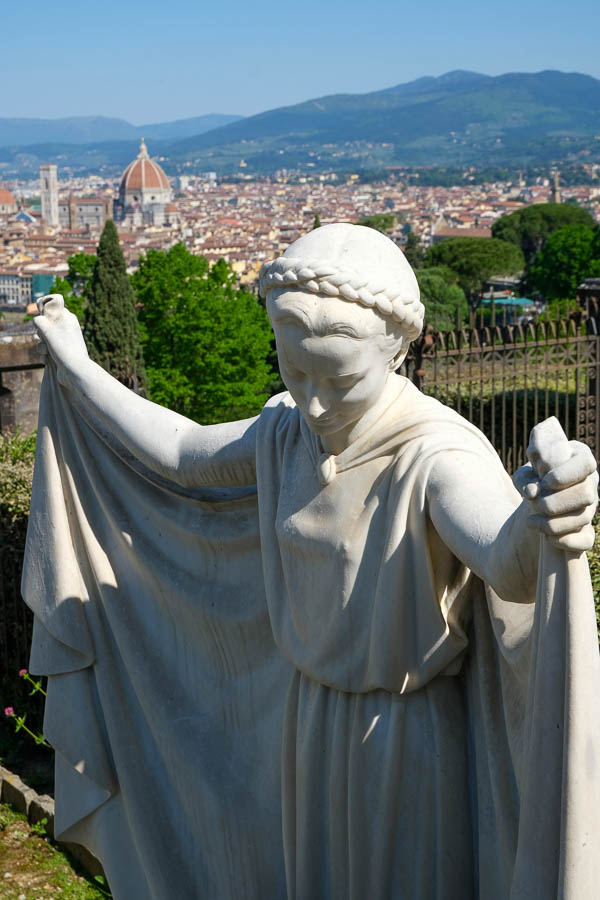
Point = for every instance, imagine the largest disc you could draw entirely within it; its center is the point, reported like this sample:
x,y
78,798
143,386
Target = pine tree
x,y
110,324
316,221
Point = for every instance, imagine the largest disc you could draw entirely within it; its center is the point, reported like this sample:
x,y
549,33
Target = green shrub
x,y
16,472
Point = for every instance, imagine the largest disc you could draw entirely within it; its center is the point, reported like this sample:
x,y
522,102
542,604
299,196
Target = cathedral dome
x,y
143,175
144,190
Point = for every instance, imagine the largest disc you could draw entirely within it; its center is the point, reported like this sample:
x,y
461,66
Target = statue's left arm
x,y
494,531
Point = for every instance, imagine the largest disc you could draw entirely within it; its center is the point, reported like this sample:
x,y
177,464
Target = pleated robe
x,y
295,689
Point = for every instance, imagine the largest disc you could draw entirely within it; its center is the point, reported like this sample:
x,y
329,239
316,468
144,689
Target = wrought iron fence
x,y
505,378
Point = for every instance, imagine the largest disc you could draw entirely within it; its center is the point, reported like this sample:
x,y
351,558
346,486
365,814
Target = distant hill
x,y
460,117
99,129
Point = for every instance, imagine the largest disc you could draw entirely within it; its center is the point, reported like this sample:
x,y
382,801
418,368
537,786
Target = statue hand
x,y
61,335
561,483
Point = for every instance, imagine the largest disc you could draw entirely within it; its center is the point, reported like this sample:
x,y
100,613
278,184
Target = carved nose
x,y
315,407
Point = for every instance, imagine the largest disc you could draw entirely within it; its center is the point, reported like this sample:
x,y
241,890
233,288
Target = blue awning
x,y
509,301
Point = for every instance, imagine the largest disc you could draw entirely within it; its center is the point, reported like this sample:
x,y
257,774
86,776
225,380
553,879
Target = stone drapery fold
x,y
166,690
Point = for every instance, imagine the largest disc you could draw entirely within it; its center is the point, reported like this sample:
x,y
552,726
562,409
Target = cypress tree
x,y
110,324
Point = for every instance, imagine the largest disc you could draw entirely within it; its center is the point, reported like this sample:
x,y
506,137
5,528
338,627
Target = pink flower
x,y
22,673
9,711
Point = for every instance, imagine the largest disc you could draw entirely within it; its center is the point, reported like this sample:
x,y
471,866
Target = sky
x,y
160,60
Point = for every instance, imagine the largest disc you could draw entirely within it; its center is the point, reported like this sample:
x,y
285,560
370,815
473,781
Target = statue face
x,y
334,357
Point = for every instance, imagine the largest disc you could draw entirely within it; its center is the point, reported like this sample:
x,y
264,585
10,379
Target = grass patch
x,y
32,868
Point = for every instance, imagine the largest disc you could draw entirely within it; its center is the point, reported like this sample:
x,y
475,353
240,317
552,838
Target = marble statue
x,y
332,651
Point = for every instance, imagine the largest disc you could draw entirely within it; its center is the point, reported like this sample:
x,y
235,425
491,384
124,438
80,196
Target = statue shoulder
x,y
433,427
278,413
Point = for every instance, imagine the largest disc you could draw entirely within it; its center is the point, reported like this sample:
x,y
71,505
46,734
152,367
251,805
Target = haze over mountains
x,y
98,129
458,118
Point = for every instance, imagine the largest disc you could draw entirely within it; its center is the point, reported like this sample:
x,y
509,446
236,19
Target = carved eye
x,y
346,381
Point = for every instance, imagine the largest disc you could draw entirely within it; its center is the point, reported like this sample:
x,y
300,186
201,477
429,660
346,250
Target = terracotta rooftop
x,y
476,231
143,174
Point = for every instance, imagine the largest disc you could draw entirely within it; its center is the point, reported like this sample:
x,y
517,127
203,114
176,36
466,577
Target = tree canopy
x,y
206,344
570,255
529,228
74,287
380,222
110,320
414,250
445,302
81,270
475,260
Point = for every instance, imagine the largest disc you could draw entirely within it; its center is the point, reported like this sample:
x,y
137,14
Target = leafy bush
x,y
16,471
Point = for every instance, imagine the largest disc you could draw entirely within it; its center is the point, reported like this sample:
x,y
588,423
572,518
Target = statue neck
x,y
337,442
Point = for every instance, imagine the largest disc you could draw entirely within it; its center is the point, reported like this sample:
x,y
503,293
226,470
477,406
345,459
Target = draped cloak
x,y
293,689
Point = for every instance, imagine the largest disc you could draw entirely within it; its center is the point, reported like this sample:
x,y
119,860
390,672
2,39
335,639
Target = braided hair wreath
x,y
320,277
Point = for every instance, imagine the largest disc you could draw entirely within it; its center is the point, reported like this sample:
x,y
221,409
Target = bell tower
x,y
556,197
49,190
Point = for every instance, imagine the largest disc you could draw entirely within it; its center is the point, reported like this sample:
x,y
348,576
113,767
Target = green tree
x,y
206,344
414,250
529,228
73,303
81,270
110,321
316,221
74,287
445,302
475,261
380,222
570,255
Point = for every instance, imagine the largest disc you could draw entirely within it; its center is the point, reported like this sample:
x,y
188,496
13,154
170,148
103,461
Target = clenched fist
x,y
561,483
61,336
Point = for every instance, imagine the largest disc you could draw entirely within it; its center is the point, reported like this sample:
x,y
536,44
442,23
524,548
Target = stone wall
x,y
21,370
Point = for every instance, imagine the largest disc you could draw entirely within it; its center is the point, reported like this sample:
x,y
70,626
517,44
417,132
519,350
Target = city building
x,y
49,191
15,288
19,288
84,212
8,204
143,193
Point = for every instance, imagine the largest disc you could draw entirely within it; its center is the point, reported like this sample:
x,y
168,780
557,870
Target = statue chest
x,y
330,540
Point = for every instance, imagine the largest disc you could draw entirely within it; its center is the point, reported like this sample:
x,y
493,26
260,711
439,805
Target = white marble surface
x,y
377,670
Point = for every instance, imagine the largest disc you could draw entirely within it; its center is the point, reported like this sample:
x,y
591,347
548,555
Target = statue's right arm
x,y
168,443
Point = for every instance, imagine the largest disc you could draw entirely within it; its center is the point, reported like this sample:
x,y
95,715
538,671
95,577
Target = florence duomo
x,y
144,192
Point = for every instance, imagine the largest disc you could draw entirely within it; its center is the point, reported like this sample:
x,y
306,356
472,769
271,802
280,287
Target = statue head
x,y
357,264
344,305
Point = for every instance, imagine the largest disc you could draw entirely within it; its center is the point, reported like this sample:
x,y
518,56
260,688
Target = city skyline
x,y
137,63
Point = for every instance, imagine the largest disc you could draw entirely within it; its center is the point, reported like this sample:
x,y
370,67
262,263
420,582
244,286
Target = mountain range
x,y
99,129
460,118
